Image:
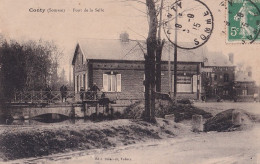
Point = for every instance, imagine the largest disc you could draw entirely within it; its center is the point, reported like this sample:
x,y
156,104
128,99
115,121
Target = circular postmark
x,y
243,21
188,24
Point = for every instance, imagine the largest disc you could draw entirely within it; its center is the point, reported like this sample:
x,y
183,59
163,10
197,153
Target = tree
x,y
152,56
154,49
26,66
12,68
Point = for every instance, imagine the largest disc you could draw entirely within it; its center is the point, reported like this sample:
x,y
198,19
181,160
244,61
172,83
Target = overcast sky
x,y
17,22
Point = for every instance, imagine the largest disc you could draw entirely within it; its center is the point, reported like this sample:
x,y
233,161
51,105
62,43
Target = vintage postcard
x,y
130,81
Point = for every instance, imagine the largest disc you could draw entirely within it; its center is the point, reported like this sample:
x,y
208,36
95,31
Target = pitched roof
x,y
110,49
115,49
216,59
243,77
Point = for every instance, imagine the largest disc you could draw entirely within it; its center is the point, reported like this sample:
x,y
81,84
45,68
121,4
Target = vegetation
x,y
152,60
31,65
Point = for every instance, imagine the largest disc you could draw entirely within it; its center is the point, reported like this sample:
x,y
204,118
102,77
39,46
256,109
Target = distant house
x,y
117,67
218,75
245,86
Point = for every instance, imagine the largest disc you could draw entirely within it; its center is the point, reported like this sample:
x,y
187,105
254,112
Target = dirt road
x,y
239,147
204,148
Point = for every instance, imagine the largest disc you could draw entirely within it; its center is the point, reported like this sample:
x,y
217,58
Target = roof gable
x,y
114,49
216,59
75,54
243,77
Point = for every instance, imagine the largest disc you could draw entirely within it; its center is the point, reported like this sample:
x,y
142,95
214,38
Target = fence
x,y
41,96
53,96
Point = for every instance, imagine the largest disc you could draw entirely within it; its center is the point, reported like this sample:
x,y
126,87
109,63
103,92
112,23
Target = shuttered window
x,y
105,82
112,83
118,82
195,83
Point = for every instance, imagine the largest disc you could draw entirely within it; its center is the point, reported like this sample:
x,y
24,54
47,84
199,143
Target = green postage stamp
x,y
243,21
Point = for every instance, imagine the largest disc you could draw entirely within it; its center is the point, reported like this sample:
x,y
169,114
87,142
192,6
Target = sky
x,y
114,17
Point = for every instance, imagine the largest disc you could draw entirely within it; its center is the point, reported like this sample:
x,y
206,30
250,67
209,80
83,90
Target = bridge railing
x,y
41,96
53,96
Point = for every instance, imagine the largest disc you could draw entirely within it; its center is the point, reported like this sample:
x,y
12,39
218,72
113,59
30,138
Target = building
x,y
245,86
117,66
218,75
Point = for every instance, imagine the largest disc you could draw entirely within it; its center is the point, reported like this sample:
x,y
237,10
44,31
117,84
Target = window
x,y
183,80
215,77
184,84
244,92
225,92
112,83
226,77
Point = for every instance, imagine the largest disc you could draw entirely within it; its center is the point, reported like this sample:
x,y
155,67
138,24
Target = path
x,y
204,148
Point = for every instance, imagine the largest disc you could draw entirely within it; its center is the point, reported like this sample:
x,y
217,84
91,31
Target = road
x,y
240,147
216,107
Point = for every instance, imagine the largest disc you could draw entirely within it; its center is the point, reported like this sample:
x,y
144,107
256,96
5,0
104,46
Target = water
x,y
46,119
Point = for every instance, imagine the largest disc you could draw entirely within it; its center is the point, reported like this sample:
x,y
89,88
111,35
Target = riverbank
x,y
36,141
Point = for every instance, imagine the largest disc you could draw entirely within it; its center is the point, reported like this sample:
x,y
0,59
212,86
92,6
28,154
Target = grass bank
x,y
28,142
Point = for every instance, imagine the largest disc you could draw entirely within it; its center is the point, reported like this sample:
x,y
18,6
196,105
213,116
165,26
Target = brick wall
x,y
132,77
131,83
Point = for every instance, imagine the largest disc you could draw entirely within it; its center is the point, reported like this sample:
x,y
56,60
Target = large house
x,y
245,86
218,75
117,67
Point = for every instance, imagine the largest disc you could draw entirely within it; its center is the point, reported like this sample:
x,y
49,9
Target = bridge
x,y
41,96
29,104
68,111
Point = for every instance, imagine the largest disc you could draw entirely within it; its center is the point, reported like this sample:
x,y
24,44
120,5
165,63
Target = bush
x,y
163,107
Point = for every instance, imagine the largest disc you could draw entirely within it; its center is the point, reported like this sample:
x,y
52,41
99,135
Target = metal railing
x,y
41,96
54,96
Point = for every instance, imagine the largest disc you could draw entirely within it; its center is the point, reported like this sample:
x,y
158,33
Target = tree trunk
x,y
150,67
147,89
158,65
151,49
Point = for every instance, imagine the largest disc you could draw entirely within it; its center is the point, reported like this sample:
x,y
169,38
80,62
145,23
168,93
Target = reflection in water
x,y
38,122
46,119
50,118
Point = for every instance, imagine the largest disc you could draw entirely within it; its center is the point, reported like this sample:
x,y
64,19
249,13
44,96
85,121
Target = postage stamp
x,y
243,21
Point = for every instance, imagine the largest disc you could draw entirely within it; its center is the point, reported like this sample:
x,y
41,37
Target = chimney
x,y
231,57
124,37
249,71
250,74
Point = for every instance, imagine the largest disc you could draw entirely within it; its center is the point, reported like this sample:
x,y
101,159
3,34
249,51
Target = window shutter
x,y
86,81
105,82
195,80
76,83
118,82
172,83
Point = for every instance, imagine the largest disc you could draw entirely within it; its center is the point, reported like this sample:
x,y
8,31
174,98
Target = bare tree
x,y
152,55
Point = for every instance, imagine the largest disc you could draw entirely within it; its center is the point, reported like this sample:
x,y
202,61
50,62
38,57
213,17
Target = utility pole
x,y
169,66
160,23
175,54
158,57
